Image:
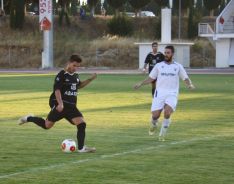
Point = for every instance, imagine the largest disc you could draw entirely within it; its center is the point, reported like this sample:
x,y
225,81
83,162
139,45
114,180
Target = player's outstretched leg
x,y
30,118
81,138
23,119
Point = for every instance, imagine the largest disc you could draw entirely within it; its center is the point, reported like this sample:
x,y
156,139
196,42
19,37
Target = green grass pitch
x,y
199,148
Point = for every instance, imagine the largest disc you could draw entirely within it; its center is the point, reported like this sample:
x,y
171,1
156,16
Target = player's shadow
x,y
124,109
25,99
127,108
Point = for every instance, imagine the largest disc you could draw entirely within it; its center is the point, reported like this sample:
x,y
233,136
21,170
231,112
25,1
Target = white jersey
x,y
167,76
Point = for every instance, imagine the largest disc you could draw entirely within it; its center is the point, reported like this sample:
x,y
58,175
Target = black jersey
x,y
152,59
68,85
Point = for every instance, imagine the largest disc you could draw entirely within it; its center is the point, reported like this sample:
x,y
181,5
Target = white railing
x,y
205,28
227,24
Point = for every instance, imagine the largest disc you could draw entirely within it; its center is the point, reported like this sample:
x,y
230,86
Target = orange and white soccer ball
x,y
68,146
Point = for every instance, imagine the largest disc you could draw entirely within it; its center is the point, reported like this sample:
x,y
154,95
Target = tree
x,y
198,12
199,7
153,7
192,25
222,6
108,8
162,3
120,25
33,6
184,5
17,14
128,7
98,8
199,4
138,4
74,4
64,11
7,6
211,5
92,4
116,4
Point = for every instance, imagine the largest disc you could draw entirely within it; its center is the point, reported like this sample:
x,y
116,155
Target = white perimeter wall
x,y
222,53
182,52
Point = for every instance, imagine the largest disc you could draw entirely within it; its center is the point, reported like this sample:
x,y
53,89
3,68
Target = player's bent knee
x,y
48,124
81,126
155,115
78,120
167,114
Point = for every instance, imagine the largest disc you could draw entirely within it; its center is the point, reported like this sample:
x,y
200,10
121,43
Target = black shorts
x,y
69,112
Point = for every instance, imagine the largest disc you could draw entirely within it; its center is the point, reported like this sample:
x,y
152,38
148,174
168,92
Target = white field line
x,y
167,144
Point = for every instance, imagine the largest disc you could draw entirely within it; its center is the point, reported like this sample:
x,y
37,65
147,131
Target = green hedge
x,y
120,25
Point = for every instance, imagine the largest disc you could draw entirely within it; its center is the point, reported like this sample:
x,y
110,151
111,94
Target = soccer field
x,y
199,148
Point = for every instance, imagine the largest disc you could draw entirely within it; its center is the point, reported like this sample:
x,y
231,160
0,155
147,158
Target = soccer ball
x,y
68,146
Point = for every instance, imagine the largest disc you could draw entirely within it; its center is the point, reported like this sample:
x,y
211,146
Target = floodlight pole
x,y
179,31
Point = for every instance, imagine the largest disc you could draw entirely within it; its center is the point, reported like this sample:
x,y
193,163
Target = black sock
x,y
81,135
38,121
153,90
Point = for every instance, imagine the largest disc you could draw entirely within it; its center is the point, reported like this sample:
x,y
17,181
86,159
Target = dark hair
x,y
154,43
171,48
75,58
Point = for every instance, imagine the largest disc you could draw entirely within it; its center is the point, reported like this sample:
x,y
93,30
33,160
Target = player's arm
x,y
59,100
87,81
144,68
146,81
58,84
152,76
184,76
146,63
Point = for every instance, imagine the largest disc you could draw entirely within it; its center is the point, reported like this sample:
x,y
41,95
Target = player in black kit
x,y
152,59
63,102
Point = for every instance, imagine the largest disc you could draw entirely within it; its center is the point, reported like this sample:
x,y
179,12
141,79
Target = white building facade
x,y
221,34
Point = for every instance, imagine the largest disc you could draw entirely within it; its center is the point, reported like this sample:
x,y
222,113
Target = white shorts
x,y
159,102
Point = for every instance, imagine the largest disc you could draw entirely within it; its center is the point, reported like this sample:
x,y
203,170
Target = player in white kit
x,y
165,98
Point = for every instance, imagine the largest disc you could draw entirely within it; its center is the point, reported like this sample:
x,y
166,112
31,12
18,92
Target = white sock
x,y
166,123
164,127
